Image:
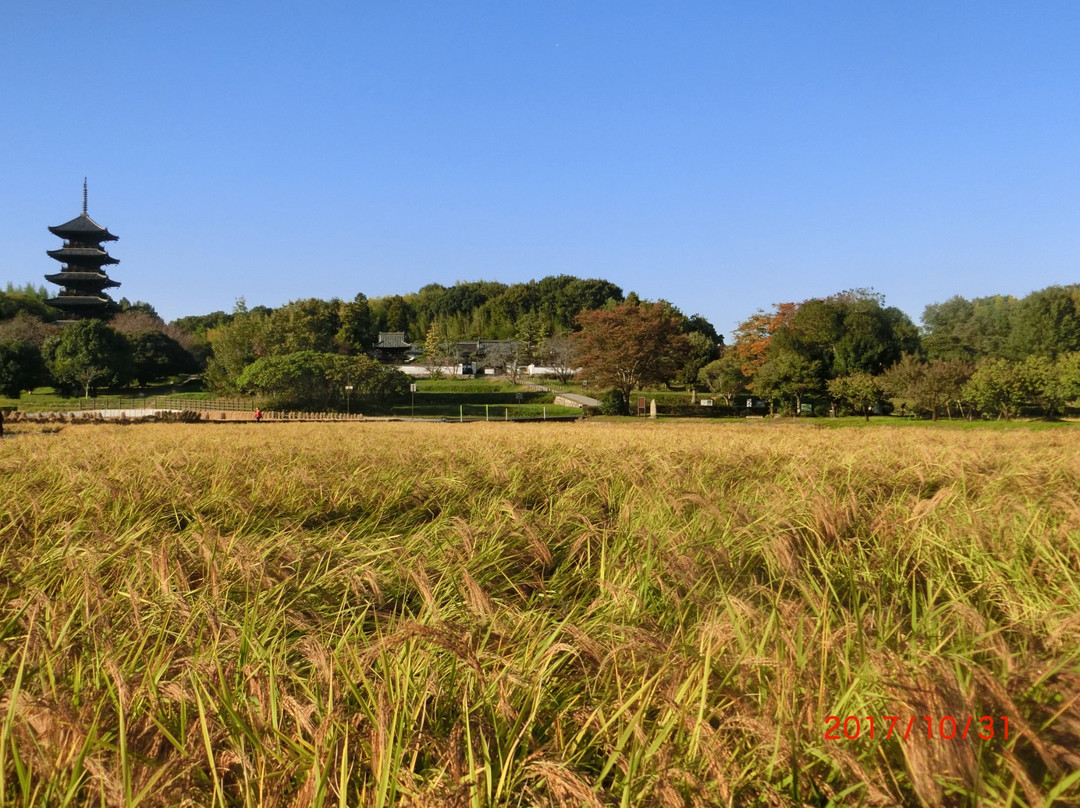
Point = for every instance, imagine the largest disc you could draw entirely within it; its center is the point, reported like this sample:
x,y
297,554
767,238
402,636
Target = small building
x,y
393,348
82,278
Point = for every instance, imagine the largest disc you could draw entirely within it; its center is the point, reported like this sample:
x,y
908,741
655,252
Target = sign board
x,y
412,388
706,402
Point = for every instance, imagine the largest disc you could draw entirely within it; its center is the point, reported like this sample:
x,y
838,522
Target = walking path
x,y
568,399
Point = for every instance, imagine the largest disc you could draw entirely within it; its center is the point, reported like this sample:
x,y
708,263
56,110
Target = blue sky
x,y
722,155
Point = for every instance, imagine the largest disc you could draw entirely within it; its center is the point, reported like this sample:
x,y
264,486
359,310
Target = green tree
x,y
860,390
724,377
531,331
700,351
87,354
235,345
1066,378
849,332
436,349
630,346
141,306
156,356
14,302
399,316
357,331
40,292
309,380
1045,323
21,367
304,325
787,376
961,329
930,386
1000,387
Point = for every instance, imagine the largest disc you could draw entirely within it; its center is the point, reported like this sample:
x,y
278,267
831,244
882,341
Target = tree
x,y
436,350
14,302
88,353
968,329
849,332
398,315
861,390
141,306
1041,376
930,386
235,345
531,331
1046,323
754,336
630,346
700,351
25,327
155,356
724,377
1000,387
304,325
133,320
309,380
21,367
558,353
788,376
40,292
356,324
1067,377
510,356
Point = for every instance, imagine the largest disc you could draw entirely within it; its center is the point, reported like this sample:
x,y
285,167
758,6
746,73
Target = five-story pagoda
x,y
83,276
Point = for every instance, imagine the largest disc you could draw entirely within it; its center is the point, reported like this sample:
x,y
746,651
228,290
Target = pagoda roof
x,y
91,277
82,226
89,255
79,301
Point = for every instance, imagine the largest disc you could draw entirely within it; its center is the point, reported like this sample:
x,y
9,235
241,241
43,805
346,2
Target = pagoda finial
x,y
84,196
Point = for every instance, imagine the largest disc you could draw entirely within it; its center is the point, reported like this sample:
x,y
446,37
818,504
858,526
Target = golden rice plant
x,y
665,614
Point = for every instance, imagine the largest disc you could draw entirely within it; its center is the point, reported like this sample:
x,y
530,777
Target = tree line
x,y
849,351
992,356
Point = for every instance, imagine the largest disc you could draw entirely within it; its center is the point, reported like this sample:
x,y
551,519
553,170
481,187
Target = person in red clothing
x,y
258,415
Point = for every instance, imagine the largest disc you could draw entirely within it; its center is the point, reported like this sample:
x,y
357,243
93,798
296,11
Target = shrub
x,y
613,402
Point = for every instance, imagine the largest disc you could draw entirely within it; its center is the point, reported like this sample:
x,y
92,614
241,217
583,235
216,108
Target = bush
x,y
614,403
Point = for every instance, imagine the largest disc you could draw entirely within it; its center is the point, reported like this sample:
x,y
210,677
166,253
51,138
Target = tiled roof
x,y
392,339
82,225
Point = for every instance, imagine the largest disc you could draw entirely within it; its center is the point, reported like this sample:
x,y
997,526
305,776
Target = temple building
x,y
83,278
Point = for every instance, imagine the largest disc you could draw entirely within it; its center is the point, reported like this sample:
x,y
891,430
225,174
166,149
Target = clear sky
x,y
724,155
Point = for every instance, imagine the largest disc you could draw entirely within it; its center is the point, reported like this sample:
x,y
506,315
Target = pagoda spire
x,y
84,196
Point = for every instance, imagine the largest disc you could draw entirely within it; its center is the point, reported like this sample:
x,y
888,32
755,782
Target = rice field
x,y
590,614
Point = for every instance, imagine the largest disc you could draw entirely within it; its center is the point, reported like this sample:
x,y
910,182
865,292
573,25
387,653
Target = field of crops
x,y
539,614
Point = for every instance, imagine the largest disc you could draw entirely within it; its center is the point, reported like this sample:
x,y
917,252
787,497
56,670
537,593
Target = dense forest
x,y
849,351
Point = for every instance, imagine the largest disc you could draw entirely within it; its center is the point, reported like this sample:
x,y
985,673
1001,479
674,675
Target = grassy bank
x,y
581,614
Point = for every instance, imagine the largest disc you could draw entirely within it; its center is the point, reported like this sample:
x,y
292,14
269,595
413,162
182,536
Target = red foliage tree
x,y
630,346
753,336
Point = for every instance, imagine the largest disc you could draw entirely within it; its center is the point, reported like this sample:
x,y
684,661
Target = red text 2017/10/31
x,y
946,728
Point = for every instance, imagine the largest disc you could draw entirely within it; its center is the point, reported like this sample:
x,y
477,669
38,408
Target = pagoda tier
x,y
83,279
82,256
78,279
84,230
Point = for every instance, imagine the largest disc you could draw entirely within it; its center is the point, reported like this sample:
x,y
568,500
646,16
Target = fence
x,y
166,403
